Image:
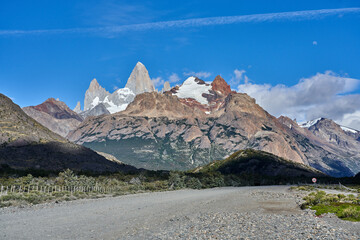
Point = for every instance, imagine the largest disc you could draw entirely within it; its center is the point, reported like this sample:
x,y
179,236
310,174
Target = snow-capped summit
x,y
194,88
139,80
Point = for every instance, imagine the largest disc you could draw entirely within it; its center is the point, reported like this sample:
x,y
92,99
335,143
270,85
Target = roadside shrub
x,y
213,180
175,181
193,183
10,196
156,186
34,198
313,198
350,212
341,196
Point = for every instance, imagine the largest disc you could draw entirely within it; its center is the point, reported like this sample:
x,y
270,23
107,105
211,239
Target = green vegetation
x,y
312,187
243,168
68,186
345,207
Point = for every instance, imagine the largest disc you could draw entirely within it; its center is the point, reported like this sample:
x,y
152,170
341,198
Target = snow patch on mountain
x,y
191,89
309,123
346,129
95,102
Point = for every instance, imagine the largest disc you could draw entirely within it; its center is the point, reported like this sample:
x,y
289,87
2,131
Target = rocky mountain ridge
x,y
197,122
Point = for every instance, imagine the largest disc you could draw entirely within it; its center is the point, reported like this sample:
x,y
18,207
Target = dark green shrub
x,y
193,183
176,181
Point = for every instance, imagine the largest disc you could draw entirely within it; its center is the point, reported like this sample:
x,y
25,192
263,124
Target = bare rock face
x,y
220,86
166,87
77,109
98,110
326,146
26,144
331,132
160,105
94,95
139,80
55,115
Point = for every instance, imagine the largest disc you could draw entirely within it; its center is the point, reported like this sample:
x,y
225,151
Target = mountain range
x,y
194,123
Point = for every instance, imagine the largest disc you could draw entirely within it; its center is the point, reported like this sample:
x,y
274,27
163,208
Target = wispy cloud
x,y
194,22
239,75
158,81
198,74
173,78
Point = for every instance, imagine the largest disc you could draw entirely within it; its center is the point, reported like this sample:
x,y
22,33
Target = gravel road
x,y
269,212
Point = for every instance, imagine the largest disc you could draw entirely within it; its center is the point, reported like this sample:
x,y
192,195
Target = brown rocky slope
x,y
26,144
55,115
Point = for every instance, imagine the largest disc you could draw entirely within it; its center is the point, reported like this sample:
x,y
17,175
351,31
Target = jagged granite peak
x,y
166,87
94,95
77,109
94,85
55,115
139,80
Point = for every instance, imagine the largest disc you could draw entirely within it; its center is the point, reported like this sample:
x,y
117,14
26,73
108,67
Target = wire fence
x,y
5,190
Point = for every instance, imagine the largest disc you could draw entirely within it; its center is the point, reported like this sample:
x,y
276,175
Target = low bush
x,y
345,207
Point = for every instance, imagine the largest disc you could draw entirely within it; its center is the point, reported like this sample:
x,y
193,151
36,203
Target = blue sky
x,y
55,48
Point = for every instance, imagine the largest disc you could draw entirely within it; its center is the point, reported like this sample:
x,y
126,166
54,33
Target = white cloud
x,y
315,43
322,95
352,120
198,74
194,22
174,78
239,75
158,81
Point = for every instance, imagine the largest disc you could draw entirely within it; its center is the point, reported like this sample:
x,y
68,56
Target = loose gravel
x,y
270,212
